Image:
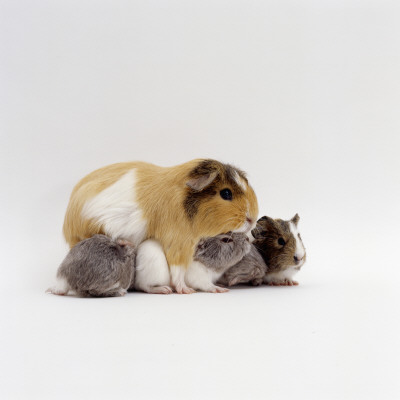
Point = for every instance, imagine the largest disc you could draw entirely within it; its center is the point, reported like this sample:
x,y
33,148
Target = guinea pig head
x,y
219,199
279,243
222,251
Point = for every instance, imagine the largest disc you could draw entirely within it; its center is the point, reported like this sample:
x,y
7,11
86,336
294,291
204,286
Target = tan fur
x,y
160,193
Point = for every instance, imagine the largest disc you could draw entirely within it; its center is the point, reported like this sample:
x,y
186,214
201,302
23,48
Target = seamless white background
x,y
303,95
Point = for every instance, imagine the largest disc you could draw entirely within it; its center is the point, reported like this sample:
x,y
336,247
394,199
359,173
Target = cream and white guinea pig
x,y
213,256
279,244
175,205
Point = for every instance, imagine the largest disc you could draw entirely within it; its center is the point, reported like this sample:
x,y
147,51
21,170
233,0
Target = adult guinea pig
x,y
279,244
176,206
98,266
213,256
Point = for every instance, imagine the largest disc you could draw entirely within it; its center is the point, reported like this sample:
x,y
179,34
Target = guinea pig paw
x,y
218,289
275,283
183,289
58,291
289,282
160,290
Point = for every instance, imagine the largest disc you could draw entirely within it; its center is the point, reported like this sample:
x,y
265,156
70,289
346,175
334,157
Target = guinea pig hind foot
x,y
61,288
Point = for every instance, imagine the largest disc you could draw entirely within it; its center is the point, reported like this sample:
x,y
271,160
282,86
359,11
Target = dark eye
x,y
226,194
227,240
281,241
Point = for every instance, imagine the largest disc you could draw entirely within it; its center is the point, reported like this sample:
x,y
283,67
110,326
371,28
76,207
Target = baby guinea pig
x,y
98,267
250,269
281,247
213,256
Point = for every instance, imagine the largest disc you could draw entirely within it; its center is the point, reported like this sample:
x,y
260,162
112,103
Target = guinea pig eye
x,y
281,241
226,194
227,240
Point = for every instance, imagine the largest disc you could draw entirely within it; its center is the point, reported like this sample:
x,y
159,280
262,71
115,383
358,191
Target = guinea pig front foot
x,y
217,289
178,280
183,289
285,282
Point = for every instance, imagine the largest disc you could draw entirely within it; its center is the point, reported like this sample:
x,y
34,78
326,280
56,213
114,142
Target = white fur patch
x,y
241,183
199,277
151,266
116,209
61,287
300,251
250,236
281,275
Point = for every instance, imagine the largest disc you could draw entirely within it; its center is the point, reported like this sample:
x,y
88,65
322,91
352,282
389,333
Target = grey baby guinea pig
x,y
213,256
98,267
280,245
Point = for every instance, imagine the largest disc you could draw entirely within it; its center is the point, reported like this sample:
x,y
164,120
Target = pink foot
x,y
160,290
183,289
217,289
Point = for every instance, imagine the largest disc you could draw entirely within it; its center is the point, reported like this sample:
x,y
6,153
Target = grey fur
x,y
250,269
223,251
99,267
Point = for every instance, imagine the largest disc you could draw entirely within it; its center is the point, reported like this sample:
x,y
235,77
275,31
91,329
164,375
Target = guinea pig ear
x,y
266,222
295,219
124,243
200,182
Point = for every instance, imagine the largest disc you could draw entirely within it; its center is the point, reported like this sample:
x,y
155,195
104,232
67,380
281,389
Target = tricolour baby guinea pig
x,y
280,244
98,266
277,254
177,206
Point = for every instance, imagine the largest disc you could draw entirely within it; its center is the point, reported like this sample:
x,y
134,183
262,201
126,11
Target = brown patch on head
x,y
206,178
275,242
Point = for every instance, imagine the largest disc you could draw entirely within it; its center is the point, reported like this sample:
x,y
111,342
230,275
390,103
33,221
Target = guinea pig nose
x,y
249,220
296,258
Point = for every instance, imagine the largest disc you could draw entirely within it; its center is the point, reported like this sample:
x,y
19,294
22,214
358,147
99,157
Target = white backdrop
x,y
303,95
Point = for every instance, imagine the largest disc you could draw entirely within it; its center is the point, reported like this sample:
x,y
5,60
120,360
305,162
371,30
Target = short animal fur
x,y
281,248
176,206
98,267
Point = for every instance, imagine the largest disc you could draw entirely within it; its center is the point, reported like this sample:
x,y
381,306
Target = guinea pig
x,y
280,244
175,205
213,256
98,267
250,269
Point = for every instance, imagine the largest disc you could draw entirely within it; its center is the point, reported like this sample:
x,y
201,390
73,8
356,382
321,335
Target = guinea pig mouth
x,y
245,227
